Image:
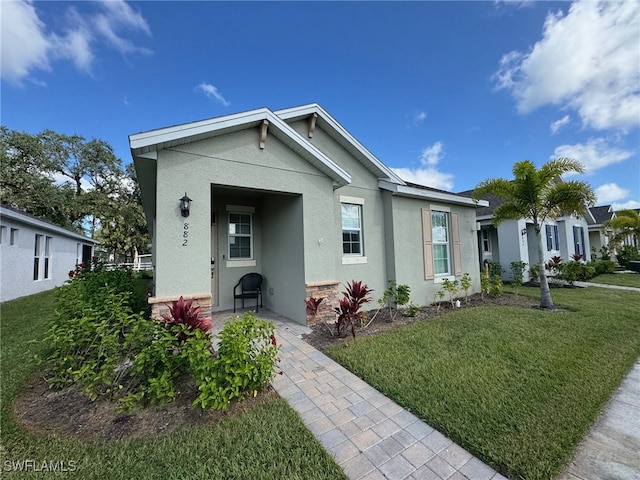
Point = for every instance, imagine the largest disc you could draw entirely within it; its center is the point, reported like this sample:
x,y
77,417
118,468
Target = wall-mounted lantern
x,y
523,232
185,205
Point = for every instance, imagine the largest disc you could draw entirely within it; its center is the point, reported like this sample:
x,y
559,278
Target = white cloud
x,y
212,92
610,192
630,205
24,45
594,155
432,155
429,177
558,124
419,117
587,60
427,174
28,46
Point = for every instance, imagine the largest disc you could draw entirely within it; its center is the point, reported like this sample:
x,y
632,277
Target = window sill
x,y
441,279
240,263
353,260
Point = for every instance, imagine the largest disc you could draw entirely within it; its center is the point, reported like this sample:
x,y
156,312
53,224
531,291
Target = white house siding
x,y
17,260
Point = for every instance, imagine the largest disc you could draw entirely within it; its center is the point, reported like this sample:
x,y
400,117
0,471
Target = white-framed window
x,y
37,251
441,246
352,244
47,257
13,236
553,242
2,230
578,241
486,240
240,236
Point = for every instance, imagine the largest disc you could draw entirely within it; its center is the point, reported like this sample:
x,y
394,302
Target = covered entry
x,y
258,231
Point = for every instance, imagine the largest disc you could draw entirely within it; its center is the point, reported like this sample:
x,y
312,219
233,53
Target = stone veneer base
x,y
160,305
328,290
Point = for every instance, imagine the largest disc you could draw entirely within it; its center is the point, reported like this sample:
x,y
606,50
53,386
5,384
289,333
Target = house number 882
x,y
185,234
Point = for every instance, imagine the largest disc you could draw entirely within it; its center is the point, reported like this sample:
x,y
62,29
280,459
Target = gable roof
x,y
146,144
338,133
601,214
41,224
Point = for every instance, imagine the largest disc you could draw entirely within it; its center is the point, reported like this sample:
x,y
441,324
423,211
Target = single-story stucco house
x,y
292,195
36,255
515,240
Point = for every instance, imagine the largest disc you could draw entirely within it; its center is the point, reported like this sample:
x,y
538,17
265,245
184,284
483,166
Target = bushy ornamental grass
x,y
519,388
269,442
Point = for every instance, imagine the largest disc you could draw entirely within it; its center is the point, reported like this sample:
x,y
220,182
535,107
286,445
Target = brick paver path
x,y
370,436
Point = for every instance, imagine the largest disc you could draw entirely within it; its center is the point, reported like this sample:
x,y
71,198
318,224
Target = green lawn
x,y
269,442
518,388
624,279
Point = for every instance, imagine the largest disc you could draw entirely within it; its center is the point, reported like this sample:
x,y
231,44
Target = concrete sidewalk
x,y
611,450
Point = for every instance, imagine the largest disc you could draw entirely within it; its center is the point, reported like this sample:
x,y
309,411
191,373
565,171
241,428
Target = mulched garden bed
x,y
321,338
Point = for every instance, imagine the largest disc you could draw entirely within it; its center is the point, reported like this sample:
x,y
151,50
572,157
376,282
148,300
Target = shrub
x,y
603,266
412,310
95,275
348,310
627,254
495,269
495,285
465,284
574,271
246,361
394,294
451,288
518,268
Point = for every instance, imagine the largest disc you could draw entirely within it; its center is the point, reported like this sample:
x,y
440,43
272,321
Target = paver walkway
x,y
369,436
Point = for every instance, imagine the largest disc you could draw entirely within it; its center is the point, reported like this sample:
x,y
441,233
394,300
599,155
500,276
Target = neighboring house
x,y
293,196
598,235
36,255
515,240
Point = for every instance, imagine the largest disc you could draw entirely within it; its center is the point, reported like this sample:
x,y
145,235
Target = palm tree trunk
x,y
545,293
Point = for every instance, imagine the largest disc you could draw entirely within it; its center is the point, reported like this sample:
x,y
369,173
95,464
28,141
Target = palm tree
x,y
538,195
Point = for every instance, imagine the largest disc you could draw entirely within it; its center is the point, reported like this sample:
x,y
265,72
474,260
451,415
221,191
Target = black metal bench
x,y
250,286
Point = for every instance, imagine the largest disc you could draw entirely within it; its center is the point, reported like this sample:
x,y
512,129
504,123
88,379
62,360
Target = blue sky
x,y
446,93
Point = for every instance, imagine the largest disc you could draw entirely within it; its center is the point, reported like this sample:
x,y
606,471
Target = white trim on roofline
x,y
43,225
142,144
427,194
305,110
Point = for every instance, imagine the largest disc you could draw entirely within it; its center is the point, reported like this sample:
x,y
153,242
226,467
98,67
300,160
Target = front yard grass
x,y
518,388
268,442
623,279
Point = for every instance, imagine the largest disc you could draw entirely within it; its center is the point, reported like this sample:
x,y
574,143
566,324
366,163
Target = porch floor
x,y
369,435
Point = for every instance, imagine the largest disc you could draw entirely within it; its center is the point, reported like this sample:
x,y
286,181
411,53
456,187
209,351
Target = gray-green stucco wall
x,y
234,160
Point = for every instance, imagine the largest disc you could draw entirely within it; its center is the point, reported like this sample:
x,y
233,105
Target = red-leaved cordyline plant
x,y
348,310
577,257
185,313
312,305
312,309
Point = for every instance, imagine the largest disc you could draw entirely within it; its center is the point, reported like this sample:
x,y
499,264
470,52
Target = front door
x,y
214,261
